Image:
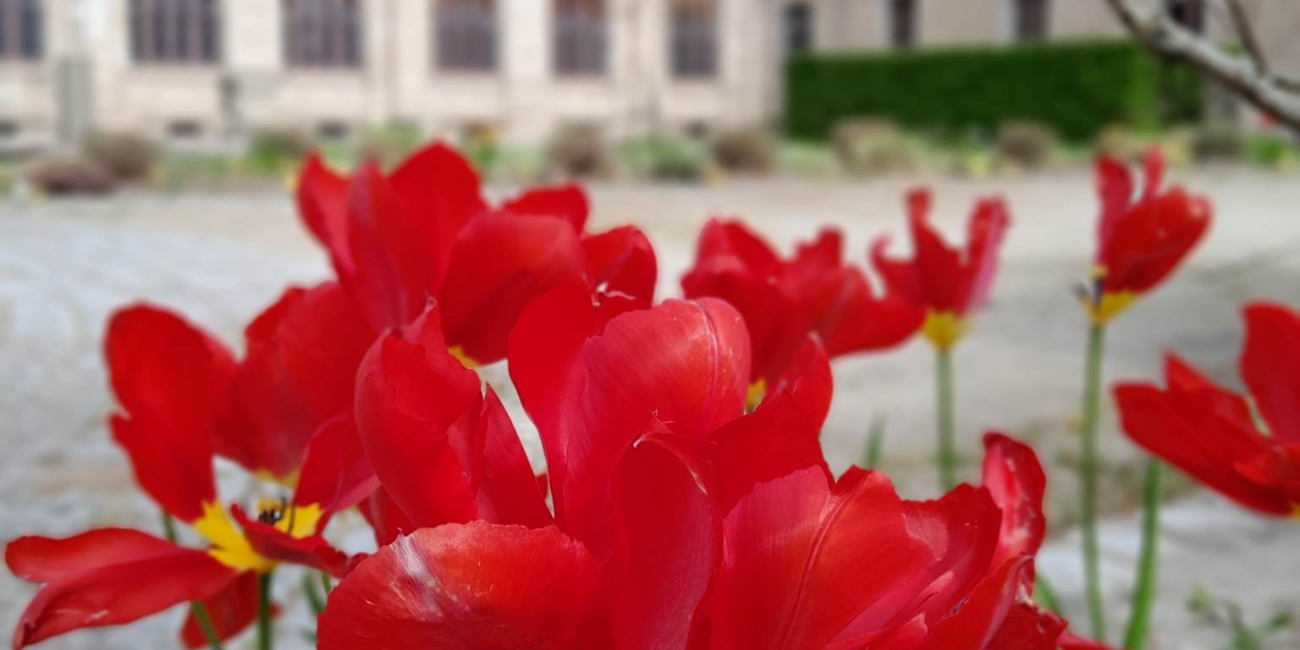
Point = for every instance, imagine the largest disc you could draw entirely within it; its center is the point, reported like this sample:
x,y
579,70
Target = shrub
x,y
1076,88
71,176
275,149
745,150
1218,142
1271,151
1028,144
482,145
579,150
664,158
871,146
123,155
392,142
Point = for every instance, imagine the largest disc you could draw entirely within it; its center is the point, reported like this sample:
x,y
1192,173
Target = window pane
x,y
467,35
903,22
693,44
322,33
1031,19
580,39
798,29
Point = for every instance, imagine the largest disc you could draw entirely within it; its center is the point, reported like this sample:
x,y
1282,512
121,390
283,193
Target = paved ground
x,y
64,265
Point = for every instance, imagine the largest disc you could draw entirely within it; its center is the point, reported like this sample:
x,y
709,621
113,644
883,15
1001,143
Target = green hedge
x,y
1076,87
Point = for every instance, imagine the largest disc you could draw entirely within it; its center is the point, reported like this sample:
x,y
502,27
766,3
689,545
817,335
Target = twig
x,y
1162,34
1246,34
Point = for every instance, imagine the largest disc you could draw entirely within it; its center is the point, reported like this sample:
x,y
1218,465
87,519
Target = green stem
x,y
946,456
1144,595
1045,594
326,583
197,607
264,631
1088,480
314,598
875,439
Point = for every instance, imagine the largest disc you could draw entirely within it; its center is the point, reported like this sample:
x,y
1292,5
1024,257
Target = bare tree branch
x,y
1243,75
1246,34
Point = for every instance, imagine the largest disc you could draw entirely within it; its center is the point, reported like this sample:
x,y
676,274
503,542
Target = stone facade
x,y
90,74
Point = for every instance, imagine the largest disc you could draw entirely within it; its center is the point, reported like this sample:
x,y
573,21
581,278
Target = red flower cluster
x,y
948,283
783,301
678,517
680,521
1140,241
184,399
1216,435
426,232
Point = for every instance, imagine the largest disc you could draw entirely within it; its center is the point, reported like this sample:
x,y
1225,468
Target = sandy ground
x,y
220,258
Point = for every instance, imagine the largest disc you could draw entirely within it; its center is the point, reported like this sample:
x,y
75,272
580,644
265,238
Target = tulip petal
x,y
622,261
1270,366
385,517
1015,478
120,592
499,264
795,569
1202,430
336,472
669,540
505,487
299,371
274,544
170,379
474,586
322,198
860,320
44,559
974,625
567,202
683,363
807,379
411,394
777,439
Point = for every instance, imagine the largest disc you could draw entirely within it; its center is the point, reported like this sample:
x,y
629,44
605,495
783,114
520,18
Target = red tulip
x,y
1141,240
783,301
949,283
426,231
681,521
173,383
1213,434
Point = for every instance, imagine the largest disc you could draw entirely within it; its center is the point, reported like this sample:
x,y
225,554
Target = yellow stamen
x,y
231,547
465,360
757,391
1111,305
944,328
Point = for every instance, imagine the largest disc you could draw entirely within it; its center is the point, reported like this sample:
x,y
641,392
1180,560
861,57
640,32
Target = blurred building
x,y
208,72
201,71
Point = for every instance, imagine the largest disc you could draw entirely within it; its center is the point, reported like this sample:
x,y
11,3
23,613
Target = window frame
x,y
1024,30
694,55
29,41
334,37
198,42
454,56
576,54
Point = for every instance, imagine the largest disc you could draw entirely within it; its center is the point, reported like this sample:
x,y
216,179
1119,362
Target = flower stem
x,y
1045,595
326,583
946,456
197,607
264,630
1144,595
1088,480
875,440
314,598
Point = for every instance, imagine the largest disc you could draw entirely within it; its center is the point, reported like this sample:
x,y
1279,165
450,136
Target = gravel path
x,y
64,265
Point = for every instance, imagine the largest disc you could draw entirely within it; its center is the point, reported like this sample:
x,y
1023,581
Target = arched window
x,y
22,28
580,36
175,31
322,33
1031,19
467,35
694,38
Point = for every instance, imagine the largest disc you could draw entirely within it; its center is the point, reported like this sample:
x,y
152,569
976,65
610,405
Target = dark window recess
x,y
467,35
9,129
694,38
1188,13
1032,18
797,26
902,23
22,30
581,39
175,31
322,33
